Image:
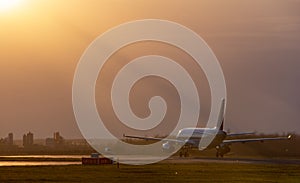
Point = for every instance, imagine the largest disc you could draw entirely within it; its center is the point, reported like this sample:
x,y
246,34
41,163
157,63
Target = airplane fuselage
x,y
214,136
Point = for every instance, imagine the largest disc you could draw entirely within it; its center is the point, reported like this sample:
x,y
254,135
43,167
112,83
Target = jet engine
x,y
168,147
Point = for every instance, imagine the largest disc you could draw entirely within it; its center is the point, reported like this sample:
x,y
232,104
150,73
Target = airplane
x,y
217,134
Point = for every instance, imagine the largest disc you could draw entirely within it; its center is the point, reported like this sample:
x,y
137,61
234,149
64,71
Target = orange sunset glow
x,y
149,91
256,42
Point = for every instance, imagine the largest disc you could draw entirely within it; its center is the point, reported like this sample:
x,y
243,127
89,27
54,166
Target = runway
x,y
194,160
137,160
231,160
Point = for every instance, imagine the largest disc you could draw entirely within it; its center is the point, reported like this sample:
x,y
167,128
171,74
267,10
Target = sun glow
x,y
6,5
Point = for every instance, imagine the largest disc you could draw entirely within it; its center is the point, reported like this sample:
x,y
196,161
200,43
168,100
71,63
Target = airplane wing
x,y
255,140
238,134
154,138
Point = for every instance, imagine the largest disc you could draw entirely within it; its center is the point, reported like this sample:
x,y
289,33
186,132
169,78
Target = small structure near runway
x,y
96,160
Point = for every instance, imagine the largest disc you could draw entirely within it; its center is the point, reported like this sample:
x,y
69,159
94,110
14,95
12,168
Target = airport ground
x,y
168,171
254,162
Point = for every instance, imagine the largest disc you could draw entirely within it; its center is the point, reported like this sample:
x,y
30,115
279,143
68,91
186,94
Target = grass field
x,y
162,172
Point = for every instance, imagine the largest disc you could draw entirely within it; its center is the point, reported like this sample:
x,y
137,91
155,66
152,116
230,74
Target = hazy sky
x,y
256,41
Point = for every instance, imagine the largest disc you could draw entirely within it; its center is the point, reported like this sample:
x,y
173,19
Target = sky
x,y
257,43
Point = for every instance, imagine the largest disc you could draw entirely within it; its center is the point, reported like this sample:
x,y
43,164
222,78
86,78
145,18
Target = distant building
x,y
28,139
24,140
10,139
56,140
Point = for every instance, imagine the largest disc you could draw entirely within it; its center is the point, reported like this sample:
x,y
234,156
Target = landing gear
x,y
221,150
219,154
184,152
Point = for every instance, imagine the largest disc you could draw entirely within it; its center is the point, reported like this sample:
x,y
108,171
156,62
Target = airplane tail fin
x,y
220,124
